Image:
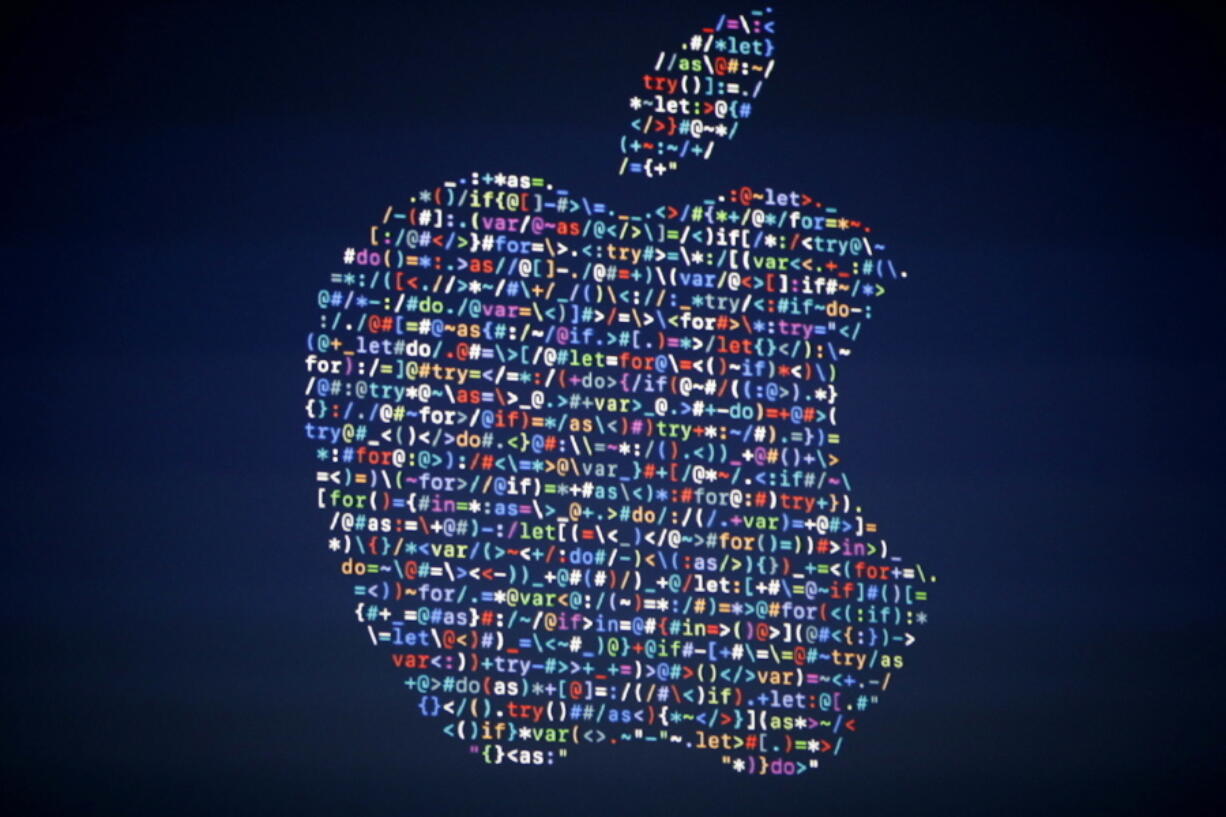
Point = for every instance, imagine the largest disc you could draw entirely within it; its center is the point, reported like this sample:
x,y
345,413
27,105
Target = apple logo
x,y
580,468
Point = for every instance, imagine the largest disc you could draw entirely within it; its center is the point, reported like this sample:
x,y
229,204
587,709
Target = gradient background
x,y
1035,413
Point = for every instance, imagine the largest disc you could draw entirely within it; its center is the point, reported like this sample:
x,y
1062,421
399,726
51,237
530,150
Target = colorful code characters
x,y
580,468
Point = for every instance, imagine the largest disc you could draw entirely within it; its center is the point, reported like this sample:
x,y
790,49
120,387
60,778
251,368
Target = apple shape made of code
x,y
581,470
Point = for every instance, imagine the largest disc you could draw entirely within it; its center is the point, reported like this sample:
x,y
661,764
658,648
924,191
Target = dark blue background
x,y
1034,414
